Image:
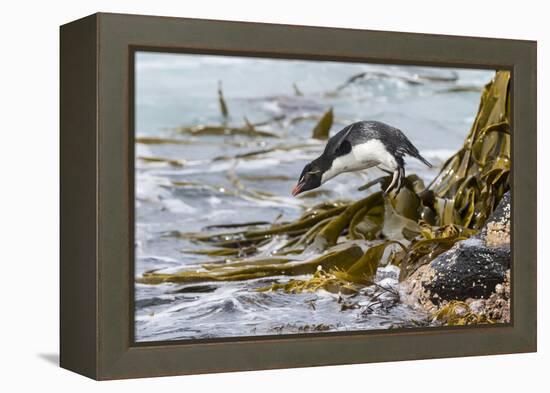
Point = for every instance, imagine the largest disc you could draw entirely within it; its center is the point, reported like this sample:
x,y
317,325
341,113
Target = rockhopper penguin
x,y
360,146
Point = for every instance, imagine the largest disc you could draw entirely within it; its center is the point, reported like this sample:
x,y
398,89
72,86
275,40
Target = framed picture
x,y
241,196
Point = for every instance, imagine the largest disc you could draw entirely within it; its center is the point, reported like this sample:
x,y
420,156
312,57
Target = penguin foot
x,y
397,181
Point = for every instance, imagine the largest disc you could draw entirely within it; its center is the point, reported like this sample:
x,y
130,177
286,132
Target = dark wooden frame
x,y
97,195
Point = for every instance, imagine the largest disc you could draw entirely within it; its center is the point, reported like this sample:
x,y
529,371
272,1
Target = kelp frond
x,y
322,129
260,267
457,313
221,100
320,280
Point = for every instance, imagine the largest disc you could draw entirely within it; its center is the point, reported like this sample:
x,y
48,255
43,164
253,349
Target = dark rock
x,y
473,267
502,212
497,306
496,231
468,270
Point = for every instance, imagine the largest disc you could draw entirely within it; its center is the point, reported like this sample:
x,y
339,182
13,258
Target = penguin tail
x,y
412,151
405,146
420,158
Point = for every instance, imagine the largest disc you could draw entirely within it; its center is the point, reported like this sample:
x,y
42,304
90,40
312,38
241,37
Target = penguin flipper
x,y
338,144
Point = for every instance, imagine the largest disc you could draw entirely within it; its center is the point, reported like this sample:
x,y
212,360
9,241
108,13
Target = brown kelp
x,y
261,267
411,80
340,244
457,313
245,130
322,128
221,100
162,160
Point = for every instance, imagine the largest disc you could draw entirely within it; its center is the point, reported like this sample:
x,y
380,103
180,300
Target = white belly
x,y
363,156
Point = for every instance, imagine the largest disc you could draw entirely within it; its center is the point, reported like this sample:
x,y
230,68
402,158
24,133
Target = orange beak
x,y
297,189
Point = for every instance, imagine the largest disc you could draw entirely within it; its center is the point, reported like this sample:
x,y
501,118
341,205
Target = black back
x,y
357,133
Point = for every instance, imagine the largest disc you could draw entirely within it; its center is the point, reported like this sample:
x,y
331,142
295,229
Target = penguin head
x,y
310,178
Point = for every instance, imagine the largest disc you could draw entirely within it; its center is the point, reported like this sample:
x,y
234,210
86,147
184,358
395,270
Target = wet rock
x,y
472,269
413,292
497,306
501,215
496,232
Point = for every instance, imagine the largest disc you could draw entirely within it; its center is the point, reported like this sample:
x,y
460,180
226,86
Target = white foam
x,y
178,206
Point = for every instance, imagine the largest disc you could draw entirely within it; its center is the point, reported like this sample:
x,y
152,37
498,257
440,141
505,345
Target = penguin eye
x,y
304,172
